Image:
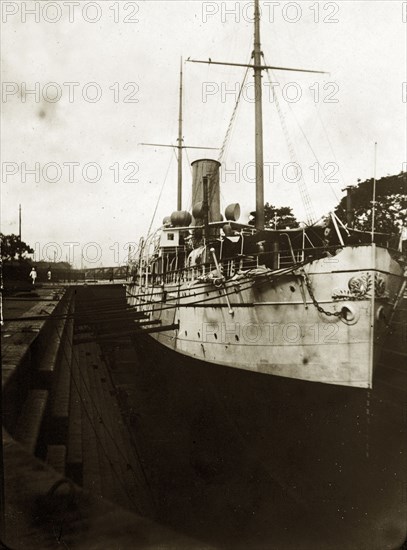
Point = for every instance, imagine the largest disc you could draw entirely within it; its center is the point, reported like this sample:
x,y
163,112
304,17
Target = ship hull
x,y
323,323
279,460
244,429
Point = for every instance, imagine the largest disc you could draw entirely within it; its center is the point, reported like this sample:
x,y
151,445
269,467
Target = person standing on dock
x,y
49,274
33,274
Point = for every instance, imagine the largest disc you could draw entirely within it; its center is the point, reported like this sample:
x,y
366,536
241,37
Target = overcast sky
x,y
91,181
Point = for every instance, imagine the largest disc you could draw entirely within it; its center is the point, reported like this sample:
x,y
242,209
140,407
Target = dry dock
x,y
72,476
108,444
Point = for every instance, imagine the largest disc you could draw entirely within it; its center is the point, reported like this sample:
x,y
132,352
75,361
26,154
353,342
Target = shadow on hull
x,y
243,460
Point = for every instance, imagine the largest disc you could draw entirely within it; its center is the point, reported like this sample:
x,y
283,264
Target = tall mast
x,y
258,67
258,120
180,143
179,194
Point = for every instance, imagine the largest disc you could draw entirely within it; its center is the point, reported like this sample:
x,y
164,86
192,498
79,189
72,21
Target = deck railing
x,y
146,274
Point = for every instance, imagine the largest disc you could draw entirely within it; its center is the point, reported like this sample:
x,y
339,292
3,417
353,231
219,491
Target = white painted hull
x,y
275,328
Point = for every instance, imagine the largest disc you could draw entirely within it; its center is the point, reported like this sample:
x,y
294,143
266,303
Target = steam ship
x,y
309,304
280,342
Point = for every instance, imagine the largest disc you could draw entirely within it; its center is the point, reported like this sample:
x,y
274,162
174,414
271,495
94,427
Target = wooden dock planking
x,y
127,459
109,460
74,440
92,481
87,437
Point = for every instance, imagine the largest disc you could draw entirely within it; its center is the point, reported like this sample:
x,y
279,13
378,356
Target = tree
x,y
13,248
276,218
391,204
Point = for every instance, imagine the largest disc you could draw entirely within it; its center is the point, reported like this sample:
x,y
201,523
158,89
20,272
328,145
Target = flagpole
x,y
374,191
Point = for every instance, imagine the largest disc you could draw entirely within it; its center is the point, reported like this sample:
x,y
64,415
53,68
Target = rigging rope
x,y
232,118
315,156
330,144
326,178
302,186
158,200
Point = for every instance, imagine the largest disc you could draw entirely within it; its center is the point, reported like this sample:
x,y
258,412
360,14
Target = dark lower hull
x,y
248,460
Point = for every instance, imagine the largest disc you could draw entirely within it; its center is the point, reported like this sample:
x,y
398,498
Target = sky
x,y
84,83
